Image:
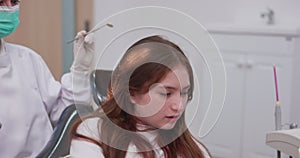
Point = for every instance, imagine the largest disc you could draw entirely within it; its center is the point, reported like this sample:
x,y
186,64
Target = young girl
x,y
143,115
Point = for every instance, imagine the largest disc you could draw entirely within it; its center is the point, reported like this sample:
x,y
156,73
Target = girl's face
x,y
165,101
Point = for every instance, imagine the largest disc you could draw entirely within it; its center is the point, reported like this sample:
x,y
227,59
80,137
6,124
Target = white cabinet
x,y
248,112
224,139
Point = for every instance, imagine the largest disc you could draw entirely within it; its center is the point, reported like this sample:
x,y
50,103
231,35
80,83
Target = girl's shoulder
x,y
90,128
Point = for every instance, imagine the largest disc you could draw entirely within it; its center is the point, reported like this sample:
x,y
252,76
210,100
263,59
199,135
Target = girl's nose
x,y
177,103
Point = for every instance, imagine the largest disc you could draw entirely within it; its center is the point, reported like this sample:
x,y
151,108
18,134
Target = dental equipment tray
x,y
286,141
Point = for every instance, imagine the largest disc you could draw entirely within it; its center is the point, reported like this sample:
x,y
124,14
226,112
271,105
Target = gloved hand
x,y
84,50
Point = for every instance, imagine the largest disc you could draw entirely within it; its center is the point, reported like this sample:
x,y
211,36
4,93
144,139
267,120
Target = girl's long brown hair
x,y
146,62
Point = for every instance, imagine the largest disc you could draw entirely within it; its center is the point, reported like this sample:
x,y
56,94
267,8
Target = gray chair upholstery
x,y
59,143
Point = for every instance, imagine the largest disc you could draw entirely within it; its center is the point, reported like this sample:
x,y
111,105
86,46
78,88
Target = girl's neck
x,y
143,128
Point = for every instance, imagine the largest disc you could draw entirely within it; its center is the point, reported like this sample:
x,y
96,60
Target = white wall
x,y
287,12
203,10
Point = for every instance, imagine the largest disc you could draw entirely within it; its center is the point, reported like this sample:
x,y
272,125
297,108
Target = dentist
x,y
31,100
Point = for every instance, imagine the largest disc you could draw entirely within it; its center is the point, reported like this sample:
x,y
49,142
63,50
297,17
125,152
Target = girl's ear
x,y
133,99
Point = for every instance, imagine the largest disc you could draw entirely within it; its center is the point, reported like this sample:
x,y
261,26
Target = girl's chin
x,y
168,126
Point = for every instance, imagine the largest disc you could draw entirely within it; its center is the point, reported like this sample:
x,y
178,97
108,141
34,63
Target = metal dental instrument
x,y
93,30
277,108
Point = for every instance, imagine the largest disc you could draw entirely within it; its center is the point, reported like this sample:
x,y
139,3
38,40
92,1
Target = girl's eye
x,y
165,94
184,93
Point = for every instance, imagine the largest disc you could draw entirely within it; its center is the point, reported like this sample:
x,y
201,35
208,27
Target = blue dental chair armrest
x,y
59,143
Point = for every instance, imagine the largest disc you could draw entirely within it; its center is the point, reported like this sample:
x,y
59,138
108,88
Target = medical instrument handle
x,y
277,117
93,30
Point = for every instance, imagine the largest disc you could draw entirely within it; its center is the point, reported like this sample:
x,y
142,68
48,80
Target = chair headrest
x,y
100,80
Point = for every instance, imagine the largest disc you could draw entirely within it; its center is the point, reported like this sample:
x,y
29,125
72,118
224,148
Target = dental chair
x,y
59,143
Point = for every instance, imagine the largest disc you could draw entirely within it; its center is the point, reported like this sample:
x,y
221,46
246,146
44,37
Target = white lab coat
x,y
80,148
31,100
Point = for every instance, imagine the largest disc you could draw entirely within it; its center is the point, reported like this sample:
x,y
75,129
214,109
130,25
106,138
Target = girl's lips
x,y
172,117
